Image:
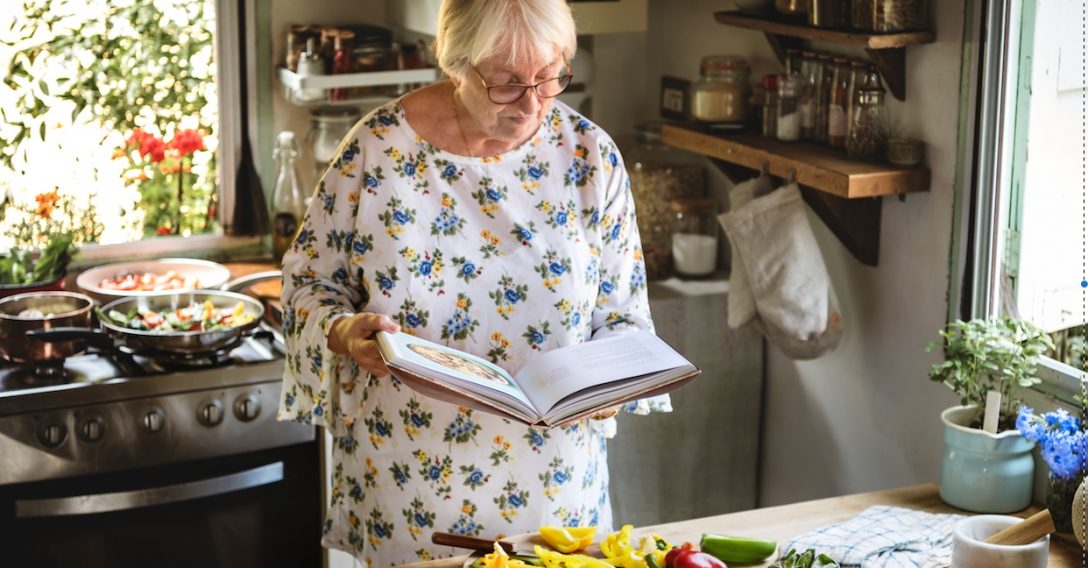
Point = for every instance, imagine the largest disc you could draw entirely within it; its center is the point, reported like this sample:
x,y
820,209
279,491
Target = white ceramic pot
x,y
970,550
983,472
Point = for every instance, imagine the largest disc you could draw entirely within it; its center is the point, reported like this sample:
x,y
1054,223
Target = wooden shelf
x,y
886,50
845,194
819,167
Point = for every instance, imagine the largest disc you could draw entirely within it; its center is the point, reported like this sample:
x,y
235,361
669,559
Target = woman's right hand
x,y
354,336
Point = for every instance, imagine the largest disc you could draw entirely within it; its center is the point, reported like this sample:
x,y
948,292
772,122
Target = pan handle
x,y
243,282
93,337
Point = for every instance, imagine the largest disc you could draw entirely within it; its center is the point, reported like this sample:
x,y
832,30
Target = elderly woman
x,y
480,213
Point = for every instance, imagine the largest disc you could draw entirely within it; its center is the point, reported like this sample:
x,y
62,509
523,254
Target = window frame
x,y
993,151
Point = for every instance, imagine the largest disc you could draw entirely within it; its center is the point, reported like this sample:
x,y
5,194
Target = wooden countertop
x,y
784,522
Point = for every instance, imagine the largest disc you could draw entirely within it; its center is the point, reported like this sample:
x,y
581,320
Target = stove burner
x,y
49,371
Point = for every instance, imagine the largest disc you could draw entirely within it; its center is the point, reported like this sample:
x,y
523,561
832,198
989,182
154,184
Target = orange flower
x,y
46,202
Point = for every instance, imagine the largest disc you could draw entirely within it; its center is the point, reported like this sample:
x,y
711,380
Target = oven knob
x,y
247,407
52,434
154,420
211,413
92,429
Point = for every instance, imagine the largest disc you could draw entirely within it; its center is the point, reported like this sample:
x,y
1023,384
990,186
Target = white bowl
x,y
970,550
208,276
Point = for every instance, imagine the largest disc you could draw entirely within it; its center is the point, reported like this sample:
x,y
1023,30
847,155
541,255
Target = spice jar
x,y
837,105
694,237
660,173
788,122
889,15
808,94
328,126
721,94
310,64
868,125
769,107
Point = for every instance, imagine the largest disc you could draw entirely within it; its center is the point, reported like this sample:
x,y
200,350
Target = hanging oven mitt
x,y
742,306
796,307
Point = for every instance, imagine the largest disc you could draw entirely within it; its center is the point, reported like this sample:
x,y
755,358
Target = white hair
x,y
470,31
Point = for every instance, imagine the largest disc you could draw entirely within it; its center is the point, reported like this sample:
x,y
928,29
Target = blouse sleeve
x,y
323,281
622,302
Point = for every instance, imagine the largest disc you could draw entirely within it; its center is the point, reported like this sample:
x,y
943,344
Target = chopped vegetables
x,y
737,549
150,282
194,317
568,539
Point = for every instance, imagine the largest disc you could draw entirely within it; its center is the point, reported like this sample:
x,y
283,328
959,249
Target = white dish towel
x,y
885,537
796,306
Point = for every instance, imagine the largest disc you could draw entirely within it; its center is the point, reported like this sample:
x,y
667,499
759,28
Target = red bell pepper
x,y
687,557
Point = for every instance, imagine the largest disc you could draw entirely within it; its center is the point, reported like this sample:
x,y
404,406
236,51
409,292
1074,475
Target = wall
x,y
864,417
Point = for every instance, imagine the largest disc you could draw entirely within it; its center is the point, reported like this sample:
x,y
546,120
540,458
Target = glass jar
x,y
889,15
694,237
829,13
288,197
823,96
328,126
791,7
769,107
310,64
836,110
788,123
659,174
857,79
807,94
721,93
868,124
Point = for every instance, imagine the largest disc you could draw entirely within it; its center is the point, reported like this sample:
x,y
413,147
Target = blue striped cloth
x,y
885,537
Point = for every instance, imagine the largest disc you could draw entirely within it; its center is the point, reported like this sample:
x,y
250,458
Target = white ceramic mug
x,y
970,550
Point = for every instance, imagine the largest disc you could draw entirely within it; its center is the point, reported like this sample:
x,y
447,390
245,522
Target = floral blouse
x,y
503,256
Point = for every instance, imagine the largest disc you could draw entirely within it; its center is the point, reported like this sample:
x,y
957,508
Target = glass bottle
x,y
869,132
857,79
310,65
823,96
328,126
806,95
660,173
836,110
788,123
343,61
694,237
288,199
769,107
721,93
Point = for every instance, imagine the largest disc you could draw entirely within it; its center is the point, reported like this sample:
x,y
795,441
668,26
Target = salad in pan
x,y
194,317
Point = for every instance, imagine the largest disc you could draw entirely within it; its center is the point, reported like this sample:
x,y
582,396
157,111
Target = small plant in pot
x,y
982,471
40,238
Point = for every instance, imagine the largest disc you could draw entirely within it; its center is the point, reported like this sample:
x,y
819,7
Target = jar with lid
x,y
788,123
659,174
868,124
694,237
342,61
328,126
856,80
721,93
823,96
310,64
769,107
836,110
889,15
808,94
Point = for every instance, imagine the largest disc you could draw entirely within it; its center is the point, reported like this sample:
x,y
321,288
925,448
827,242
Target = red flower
x,y
164,230
187,141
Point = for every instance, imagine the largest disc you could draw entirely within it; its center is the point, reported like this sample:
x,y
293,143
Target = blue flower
x,y
560,477
319,410
330,200
347,442
450,170
492,194
348,155
536,338
290,400
370,180
359,247
417,420
1062,443
385,283
468,269
577,317
525,234
575,173
425,267
399,475
413,320
607,286
613,159
536,172
536,440
514,500
476,477
421,520
410,169
381,429
385,119
561,218
595,218
557,268
340,274
583,123
434,472
616,231
380,531
401,217
356,491
512,296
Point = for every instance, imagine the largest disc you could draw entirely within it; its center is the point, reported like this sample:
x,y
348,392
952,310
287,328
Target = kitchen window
x,y
116,125
1027,241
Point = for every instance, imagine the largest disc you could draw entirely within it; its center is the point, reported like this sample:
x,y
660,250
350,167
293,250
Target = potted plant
x,y
981,471
40,239
1063,444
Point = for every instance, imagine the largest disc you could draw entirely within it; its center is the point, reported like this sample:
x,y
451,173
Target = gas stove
x,y
117,410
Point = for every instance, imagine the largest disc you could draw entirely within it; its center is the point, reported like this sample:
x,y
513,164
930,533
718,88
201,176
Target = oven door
x,y
259,509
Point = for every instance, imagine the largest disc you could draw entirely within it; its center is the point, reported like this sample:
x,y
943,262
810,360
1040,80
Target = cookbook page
x,y
550,377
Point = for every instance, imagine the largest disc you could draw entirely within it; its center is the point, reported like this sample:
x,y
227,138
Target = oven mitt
x,y
742,306
797,308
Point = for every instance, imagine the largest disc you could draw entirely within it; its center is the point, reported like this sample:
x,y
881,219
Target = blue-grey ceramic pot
x,y
983,472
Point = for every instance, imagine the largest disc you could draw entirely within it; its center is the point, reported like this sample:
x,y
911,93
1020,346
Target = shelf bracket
x,y
780,43
892,64
856,222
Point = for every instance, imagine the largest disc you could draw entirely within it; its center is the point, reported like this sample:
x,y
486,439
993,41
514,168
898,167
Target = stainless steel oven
x,y
122,461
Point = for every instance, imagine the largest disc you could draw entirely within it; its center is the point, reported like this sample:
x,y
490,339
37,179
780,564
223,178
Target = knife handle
x,y
470,542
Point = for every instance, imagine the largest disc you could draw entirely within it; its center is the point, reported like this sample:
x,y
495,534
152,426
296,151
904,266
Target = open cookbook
x,y
553,388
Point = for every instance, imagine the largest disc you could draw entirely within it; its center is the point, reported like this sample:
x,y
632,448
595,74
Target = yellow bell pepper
x,y
499,559
552,559
568,539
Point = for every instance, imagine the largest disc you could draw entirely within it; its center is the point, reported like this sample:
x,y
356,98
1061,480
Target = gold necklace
x,y
457,119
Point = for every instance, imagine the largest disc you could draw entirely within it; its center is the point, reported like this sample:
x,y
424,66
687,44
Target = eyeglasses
x,y
510,93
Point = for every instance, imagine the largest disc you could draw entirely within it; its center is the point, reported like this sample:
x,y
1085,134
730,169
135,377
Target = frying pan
x,y
180,343
209,275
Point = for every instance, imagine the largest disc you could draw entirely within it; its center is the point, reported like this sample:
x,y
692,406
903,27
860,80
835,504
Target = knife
x,y
470,542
